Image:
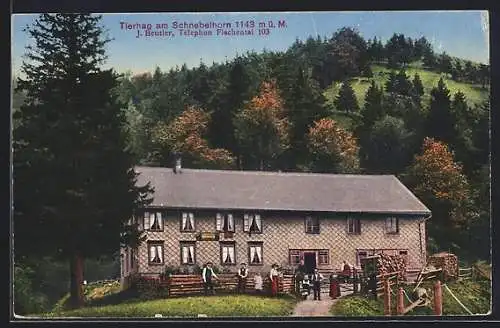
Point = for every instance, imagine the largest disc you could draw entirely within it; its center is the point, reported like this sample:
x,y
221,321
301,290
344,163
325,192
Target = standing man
x,y
317,277
299,275
207,275
242,278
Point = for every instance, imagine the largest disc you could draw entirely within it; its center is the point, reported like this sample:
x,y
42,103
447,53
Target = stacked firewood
x,y
391,263
447,262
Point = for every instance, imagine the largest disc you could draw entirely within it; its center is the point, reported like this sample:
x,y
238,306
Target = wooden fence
x,y
180,285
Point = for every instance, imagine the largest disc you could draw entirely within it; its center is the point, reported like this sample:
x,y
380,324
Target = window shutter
x,y
185,250
230,222
160,220
219,222
191,220
146,221
246,222
184,221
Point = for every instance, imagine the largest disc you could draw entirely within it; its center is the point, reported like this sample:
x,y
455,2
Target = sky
x,y
462,34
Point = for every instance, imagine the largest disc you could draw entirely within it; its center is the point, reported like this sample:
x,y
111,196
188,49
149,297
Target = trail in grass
x,y
312,308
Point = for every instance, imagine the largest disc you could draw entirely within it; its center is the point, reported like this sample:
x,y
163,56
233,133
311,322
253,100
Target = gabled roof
x,y
255,190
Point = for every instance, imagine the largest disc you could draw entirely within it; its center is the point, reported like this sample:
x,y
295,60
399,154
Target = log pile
x,y
447,262
391,263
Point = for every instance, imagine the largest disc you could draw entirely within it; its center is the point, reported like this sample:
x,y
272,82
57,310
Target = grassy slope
x,y
474,93
213,306
476,296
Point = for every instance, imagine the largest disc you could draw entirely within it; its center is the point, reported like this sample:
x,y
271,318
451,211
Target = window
x,y
392,225
225,222
312,225
188,255
323,257
353,226
294,256
153,221
252,223
187,222
255,253
155,255
227,254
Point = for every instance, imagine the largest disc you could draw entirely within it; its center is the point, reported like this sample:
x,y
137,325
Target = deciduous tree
x,y
262,128
333,149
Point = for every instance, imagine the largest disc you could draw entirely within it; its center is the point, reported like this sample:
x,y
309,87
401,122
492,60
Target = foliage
x,y
440,123
73,175
436,179
185,135
333,149
218,306
263,126
346,100
354,306
26,300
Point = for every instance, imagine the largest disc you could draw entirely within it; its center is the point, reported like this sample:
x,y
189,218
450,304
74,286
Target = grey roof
x,y
254,190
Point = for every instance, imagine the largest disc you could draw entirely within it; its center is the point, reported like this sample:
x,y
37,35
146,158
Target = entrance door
x,y
310,262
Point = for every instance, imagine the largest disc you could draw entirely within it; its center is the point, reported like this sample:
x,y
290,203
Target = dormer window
x,y
153,221
187,222
224,222
252,223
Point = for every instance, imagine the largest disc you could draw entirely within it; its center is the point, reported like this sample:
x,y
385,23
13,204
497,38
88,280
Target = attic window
x,y
353,226
312,225
392,225
224,222
153,221
187,222
252,223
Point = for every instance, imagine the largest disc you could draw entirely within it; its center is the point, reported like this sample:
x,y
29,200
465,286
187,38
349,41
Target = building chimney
x,y
177,163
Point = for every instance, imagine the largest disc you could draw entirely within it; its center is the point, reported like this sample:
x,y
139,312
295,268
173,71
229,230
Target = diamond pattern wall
x,y
281,234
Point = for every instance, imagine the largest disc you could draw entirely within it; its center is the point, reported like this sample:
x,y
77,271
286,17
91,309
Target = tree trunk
x,y
76,272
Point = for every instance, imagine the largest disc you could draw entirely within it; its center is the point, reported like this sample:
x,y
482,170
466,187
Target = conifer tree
x,y
440,121
73,179
346,100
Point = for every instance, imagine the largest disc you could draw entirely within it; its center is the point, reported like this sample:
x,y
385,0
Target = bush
x,y
149,288
26,300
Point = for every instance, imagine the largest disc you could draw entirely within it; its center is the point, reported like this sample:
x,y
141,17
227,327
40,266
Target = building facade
x,y
272,223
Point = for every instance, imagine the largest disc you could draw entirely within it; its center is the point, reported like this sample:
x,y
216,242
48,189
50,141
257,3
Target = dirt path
x,y
311,308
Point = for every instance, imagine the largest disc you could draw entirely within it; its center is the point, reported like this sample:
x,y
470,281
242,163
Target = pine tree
x,y
346,100
390,84
440,121
373,109
73,180
403,85
304,105
417,88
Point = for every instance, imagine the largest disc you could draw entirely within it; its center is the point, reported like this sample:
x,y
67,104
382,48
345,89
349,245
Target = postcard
x,y
251,165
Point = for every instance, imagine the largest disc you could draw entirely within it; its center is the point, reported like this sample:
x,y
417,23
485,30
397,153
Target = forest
x,y
333,104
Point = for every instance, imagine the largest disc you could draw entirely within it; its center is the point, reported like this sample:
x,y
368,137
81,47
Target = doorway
x,y
310,262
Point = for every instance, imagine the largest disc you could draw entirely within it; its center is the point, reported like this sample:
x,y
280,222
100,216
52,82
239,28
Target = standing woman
x,y
273,275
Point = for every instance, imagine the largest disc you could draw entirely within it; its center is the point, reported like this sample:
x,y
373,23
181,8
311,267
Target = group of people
x,y
208,275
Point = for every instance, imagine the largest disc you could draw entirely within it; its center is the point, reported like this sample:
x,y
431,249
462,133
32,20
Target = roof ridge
x,y
257,172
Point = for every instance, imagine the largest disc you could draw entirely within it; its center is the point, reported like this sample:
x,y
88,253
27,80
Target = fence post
x,y
438,298
387,298
401,302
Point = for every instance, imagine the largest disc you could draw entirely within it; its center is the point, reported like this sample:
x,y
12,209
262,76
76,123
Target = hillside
x,y
474,93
